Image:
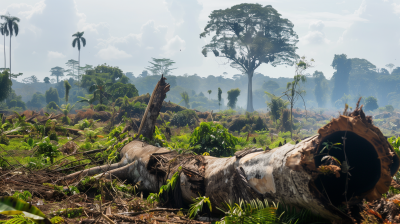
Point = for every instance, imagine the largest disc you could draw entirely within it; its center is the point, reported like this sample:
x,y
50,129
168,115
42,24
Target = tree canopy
x,y
371,103
161,66
103,72
249,35
321,88
232,97
52,95
341,76
57,71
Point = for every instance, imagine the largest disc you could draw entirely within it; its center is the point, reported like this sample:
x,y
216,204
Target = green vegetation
x,y
213,139
184,117
371,103
232,97
47,149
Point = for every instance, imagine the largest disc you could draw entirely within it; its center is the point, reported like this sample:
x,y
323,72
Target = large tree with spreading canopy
x,y
249,35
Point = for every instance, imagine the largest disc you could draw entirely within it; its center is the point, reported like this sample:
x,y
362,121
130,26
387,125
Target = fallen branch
x,y
150,210
108,219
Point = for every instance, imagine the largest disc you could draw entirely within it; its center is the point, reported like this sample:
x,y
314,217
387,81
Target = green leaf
x,y
14,206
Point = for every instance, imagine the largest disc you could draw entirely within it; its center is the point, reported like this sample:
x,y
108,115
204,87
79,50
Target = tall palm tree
x,y
12,24
77,42
4,32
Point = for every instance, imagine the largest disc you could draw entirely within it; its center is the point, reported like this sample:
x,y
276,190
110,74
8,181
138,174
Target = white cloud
x,y
315,35
317,25
112,53
37,8
54,55
173,46
396,7
25,10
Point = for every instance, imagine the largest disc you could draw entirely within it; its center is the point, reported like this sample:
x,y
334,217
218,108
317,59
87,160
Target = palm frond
x,y
79,44
16,28
83,41
92,88
74,42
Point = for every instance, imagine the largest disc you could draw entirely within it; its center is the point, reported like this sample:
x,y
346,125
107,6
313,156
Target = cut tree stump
x,y
290,174
153,109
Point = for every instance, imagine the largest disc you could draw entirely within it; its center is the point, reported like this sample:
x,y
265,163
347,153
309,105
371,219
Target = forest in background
x,y
355,78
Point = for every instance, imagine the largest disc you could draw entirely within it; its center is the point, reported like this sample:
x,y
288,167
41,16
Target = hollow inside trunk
x,y
365,168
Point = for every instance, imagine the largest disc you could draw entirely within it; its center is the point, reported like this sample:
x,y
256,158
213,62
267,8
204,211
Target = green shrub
x,y
53,136
214,139
52,105
85,123
26,195
184,117
100,107
135,107
4,140
66,120
47,149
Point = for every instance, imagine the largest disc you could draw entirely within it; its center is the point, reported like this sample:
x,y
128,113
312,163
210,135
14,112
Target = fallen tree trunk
x,y
14,136
74,131
294,174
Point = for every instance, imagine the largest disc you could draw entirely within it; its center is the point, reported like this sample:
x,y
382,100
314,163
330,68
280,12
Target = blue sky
x,y
127,33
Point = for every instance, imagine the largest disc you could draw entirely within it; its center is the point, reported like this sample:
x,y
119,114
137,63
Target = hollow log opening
x,y
365,168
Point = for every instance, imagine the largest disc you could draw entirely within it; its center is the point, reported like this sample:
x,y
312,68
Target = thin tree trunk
x,y
100,97
79,66
250,93
5,63
10,55
291,121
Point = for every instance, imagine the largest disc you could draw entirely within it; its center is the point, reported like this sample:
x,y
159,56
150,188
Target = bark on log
x,y
286,174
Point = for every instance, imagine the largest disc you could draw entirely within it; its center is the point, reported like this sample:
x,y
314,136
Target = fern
x,y
254,211
289,214
26,195
18,219
198,205
56,220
